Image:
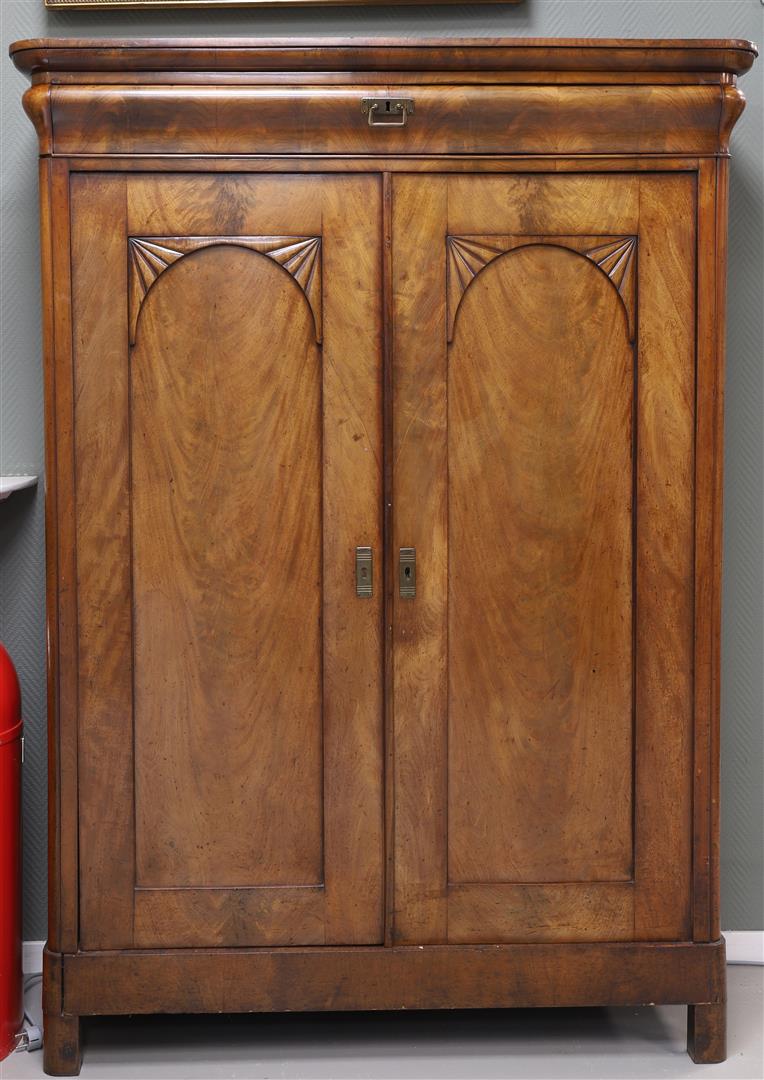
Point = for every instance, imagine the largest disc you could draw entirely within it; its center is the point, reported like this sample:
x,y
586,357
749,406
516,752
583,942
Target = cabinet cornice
x,y
303,96
730,56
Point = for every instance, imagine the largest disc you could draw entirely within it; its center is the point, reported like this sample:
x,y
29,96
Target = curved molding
x,y
531,118
733,103
468,256
401,53
36,102
150,256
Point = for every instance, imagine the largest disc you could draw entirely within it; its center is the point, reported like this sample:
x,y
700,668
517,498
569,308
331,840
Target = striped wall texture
x,y
21,412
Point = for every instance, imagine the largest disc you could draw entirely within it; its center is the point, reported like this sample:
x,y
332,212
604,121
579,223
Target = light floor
x,y
553,1044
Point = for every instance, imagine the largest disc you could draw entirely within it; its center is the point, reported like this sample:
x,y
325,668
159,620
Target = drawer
x,y
455,119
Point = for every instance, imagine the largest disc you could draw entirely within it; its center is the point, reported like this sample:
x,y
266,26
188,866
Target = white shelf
x,y
9,484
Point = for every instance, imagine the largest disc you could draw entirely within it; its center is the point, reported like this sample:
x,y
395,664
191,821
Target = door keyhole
x,y
407,573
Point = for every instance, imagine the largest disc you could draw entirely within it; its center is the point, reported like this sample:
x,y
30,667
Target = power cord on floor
x,y
30,1036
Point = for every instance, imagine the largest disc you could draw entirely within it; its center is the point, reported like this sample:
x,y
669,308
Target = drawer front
x,y
330,120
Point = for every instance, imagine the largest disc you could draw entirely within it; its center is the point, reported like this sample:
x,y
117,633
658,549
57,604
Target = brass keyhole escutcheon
x,y
364,573
407,573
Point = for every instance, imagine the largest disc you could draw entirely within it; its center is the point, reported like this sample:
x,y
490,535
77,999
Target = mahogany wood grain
x,y
664,545
447,119
354,806
420,520
552,911
63,1045
255,765
62,1041
388,553
287,165
213,206
105,646
712,240
37,106
540,381
63,790
42,55
413,977
587,205
205,917
53,980
55,869
466,77
707,1033
500,825
227,580
353,779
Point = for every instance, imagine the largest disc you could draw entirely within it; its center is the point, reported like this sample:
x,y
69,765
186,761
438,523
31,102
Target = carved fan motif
x,y
614,258
617,259
300,256
467,256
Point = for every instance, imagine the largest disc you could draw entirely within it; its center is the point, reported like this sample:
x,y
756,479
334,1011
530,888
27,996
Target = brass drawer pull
x,y
387,112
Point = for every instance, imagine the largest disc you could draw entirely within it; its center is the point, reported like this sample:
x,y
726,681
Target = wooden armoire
x,y
383,485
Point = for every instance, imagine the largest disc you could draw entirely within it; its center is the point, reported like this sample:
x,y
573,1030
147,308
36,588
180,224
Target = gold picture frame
x,y
61,4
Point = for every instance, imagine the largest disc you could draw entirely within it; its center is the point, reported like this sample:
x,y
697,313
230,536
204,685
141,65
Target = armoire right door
x,y
543,419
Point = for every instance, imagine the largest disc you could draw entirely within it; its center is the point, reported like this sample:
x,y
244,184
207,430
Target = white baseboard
x,y
32,957
743,947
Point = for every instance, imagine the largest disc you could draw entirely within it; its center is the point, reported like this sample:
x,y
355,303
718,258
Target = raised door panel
x,y
540,575
227,577
542,673
227,370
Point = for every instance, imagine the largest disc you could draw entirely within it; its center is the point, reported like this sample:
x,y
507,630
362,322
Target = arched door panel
x,y
540,379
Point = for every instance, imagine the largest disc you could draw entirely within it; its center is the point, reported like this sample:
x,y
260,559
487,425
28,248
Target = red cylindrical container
x,y
11,984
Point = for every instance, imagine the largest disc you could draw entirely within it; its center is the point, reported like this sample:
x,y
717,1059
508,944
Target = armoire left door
x,y
226,381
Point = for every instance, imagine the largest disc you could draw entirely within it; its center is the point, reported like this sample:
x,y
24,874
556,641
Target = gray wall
x,y
21,429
